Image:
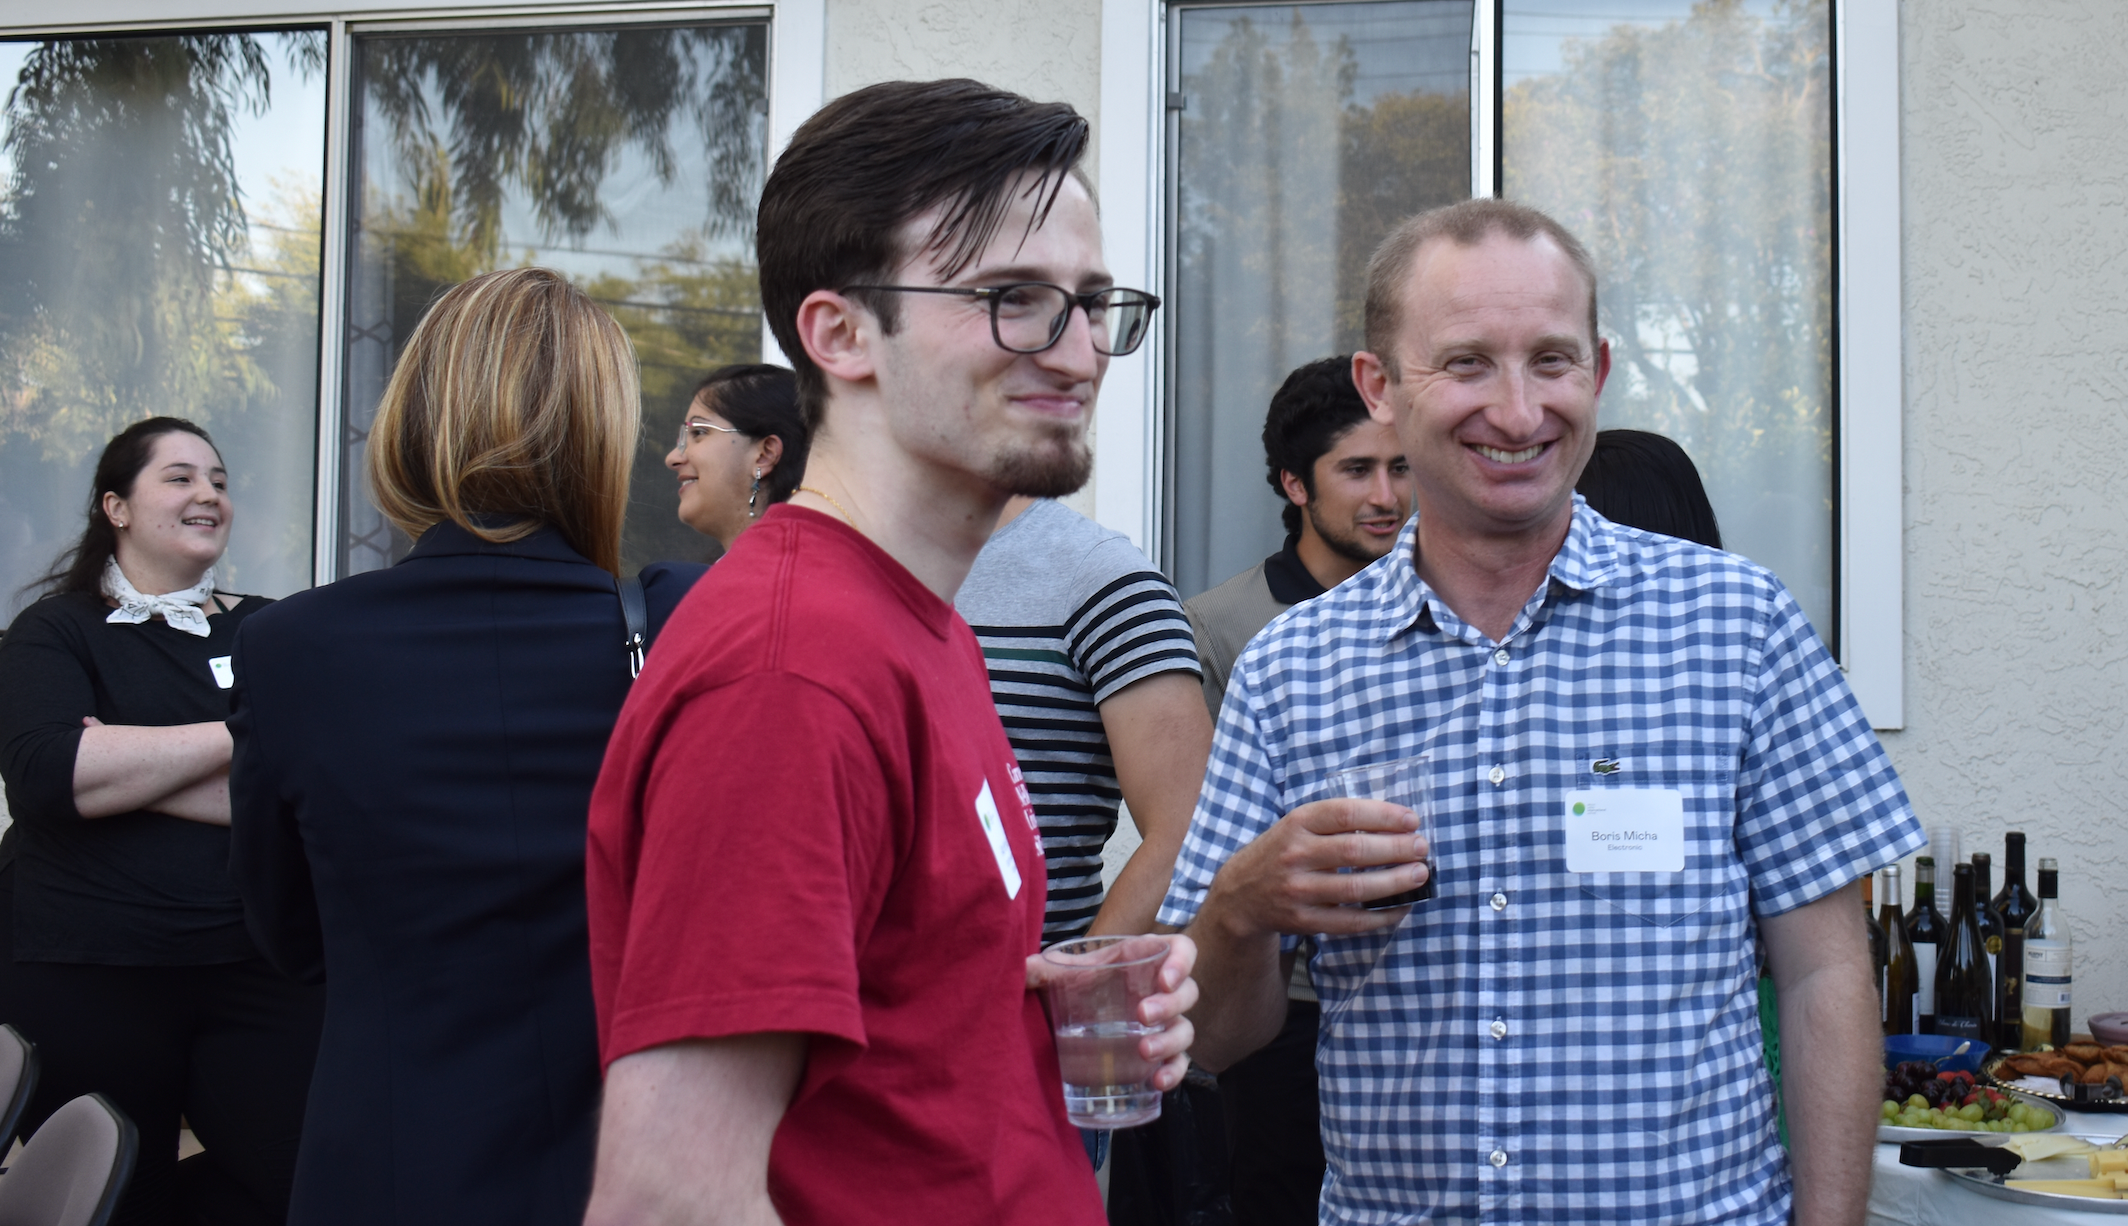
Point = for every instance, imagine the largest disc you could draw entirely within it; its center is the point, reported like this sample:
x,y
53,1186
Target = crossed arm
x,y
182,770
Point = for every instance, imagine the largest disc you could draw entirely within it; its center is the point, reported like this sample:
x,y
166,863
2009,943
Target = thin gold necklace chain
x,y
821,493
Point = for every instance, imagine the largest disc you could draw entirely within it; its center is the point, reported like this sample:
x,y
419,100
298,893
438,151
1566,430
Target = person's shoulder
x,y
1244,592
1654,566
56,615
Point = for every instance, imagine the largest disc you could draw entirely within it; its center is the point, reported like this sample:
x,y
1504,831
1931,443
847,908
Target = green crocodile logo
x,y
1606,766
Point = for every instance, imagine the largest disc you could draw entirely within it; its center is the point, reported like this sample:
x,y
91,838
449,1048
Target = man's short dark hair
x,y
1466,224
1310,412
871,160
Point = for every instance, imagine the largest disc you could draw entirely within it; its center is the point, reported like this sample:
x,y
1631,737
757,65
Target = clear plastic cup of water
x,y
1094,986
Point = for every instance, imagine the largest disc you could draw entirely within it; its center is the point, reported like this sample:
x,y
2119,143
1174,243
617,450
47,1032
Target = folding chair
x,y
73,1170
18,1080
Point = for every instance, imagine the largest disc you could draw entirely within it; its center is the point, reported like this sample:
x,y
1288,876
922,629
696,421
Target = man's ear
x,y
1372,379
837,334
1296,489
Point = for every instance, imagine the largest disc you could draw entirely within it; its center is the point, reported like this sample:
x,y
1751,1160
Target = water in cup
x,y
1107,1084
1094,987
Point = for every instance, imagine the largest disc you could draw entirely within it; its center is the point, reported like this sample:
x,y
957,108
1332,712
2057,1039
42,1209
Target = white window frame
x,y
1128,465
797,84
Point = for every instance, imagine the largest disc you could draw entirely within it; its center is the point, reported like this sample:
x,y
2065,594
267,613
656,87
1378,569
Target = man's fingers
x,y
1170,1075
1170,1043
1356,850
1340,816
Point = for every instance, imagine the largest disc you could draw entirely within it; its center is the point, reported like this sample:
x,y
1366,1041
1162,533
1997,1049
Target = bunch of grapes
x,y
1917,1096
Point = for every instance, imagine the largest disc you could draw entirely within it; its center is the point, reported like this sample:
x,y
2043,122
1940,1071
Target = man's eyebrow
x,y
1023,272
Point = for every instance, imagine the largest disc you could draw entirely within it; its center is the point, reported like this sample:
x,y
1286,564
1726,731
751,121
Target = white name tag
x,y
224,675
986,811
1625,830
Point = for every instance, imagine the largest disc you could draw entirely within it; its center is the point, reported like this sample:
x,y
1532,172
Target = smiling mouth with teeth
x,y
1509,457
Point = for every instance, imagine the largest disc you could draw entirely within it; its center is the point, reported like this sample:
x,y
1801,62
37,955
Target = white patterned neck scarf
x,y
180,609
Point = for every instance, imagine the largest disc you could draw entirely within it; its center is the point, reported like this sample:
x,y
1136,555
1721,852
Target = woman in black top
x,y
126,960
415,751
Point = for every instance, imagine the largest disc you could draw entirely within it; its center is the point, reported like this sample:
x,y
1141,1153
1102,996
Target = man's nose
x,y
1073,355
1516,413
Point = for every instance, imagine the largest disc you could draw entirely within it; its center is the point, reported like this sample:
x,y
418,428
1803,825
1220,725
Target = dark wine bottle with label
x,y
2013,909
1901,975
1990,927
1925,928
1965,992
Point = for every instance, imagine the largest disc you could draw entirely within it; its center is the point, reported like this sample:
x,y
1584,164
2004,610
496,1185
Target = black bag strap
x,y
635,612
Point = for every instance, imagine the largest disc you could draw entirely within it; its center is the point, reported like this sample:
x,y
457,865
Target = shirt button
x,y
1500,656
1498,775
1499,1158
1499,902
1499,1030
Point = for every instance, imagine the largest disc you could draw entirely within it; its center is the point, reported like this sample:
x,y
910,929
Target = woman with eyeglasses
x,y
414,754
741,449
123,952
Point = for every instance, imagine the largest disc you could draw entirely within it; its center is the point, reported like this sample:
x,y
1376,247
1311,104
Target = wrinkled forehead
x,y
1451,283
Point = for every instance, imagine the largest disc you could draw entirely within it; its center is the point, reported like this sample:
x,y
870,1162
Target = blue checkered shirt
x,y
1534,1045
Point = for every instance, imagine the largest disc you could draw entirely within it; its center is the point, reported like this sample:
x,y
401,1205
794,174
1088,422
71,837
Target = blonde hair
x,y
514,405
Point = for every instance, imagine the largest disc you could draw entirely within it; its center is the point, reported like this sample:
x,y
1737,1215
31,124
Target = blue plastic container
x,y
1934,1047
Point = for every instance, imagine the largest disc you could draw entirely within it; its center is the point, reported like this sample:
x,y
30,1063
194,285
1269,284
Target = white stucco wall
x,y
2015,160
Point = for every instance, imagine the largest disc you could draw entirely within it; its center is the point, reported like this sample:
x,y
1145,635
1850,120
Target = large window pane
x,y
1689,145
1307,132
628,160
159,255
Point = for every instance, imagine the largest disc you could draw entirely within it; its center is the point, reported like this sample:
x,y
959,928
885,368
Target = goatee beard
x,y
1048,472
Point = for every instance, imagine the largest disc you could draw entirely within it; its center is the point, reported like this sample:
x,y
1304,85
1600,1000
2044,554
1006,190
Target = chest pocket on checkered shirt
x,y
1711,875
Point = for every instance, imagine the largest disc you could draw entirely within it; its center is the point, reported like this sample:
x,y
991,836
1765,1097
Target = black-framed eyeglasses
x,y
1030,316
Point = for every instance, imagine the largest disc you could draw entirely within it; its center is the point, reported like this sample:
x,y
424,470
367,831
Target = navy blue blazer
x,y
415,751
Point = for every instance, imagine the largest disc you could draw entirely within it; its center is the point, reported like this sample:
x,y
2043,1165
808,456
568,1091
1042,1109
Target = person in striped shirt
x,y
1095,675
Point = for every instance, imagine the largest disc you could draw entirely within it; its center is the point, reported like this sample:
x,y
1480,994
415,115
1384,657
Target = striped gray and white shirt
x,y
1069,613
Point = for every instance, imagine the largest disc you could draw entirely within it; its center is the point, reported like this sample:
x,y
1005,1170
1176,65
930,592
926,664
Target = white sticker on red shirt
x,y
986,812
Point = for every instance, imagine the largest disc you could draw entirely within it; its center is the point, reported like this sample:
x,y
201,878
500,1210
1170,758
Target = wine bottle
x,y
1925,928
1990,927
1879,948
1901,974
1965,993
2047,958
2013,908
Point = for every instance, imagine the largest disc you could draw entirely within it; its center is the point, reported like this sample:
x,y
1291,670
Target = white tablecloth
x,y
1911,1196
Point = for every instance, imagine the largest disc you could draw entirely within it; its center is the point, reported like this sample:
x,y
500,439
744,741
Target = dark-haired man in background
x,y
1348,490
815,879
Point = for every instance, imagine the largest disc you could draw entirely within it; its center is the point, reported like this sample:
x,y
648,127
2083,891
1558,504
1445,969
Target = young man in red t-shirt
x,y
816,884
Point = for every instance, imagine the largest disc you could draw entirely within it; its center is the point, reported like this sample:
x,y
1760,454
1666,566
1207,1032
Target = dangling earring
x,y
752,494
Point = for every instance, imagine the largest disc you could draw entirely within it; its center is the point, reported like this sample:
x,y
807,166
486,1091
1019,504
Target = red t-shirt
x,y
794,831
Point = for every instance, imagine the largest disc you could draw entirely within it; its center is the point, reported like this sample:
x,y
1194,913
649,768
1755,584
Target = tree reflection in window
x,y
139,276
629,159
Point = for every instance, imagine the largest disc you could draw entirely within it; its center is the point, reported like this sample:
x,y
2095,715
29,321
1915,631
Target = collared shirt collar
x,y
1586,561
1288,577
448,539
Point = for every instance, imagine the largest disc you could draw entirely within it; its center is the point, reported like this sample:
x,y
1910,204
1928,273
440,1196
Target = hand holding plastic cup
x,y
1094,987
1405,782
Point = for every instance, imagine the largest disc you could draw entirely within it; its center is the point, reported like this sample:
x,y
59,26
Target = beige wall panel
x,y
2015,160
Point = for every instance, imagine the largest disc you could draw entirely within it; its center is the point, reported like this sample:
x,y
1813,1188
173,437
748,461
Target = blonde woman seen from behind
x,y
414,754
